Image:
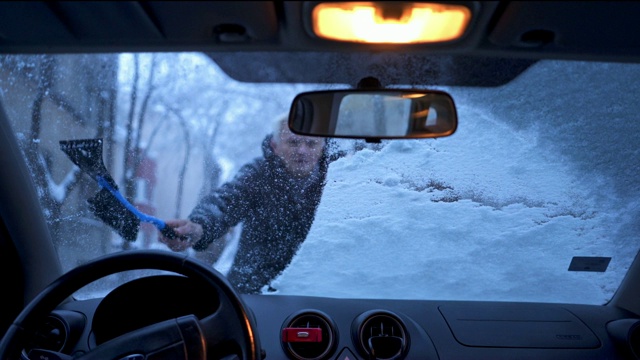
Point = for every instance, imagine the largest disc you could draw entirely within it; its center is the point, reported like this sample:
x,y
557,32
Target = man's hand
x,y
188,234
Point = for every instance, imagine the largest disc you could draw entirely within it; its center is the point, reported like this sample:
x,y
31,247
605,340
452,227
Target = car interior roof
x,y
501,31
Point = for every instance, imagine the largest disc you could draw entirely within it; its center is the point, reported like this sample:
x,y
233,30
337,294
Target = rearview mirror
x,y
374,114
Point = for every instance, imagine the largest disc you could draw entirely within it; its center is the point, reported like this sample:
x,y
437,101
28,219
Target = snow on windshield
x,y
496,212
540,171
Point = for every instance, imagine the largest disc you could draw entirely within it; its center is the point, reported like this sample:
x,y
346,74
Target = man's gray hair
x,y
279,125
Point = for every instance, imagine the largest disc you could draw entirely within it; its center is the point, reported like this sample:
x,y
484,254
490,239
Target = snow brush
x,y
108,204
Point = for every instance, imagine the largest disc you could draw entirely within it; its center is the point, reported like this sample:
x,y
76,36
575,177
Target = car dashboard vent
x,y
380,335
626,335
309,335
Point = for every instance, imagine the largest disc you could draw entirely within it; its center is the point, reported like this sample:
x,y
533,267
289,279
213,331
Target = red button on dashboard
x,y
302,335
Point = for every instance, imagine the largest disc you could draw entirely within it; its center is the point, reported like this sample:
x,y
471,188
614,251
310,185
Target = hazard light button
x,y
346,354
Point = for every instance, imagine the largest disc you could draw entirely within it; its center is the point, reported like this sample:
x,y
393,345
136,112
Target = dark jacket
x,y
276,210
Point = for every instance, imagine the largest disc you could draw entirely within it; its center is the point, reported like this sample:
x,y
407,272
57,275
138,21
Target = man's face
x,y
299,153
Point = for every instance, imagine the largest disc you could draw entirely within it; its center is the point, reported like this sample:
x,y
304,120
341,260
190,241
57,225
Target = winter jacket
x,y
276,210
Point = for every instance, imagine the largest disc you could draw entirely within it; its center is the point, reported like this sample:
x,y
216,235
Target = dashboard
x,y
300,327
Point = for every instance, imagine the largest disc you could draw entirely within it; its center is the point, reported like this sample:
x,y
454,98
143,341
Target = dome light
x,y
390,22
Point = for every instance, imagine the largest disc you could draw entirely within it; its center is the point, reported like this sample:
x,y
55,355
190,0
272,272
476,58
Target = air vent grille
x,y
309,335
380,335
626,335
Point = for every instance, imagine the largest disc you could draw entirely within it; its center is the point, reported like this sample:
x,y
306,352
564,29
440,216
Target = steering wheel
x,y
186,337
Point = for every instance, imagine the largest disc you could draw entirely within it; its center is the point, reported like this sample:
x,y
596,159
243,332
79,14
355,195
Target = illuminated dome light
x,y
401,23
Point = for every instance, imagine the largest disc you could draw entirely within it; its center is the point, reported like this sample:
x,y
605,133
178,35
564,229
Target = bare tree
x,y
185,162
135,124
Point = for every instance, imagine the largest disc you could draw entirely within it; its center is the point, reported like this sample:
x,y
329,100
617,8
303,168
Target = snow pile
x,y
484,215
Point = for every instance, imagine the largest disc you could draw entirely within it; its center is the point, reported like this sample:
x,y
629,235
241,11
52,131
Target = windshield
x,y
534,198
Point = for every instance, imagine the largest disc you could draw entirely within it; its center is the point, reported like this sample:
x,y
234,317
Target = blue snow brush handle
x,y
159,224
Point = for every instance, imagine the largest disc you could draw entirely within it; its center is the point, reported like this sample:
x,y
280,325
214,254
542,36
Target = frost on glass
x,y
539,171
170,124
51,98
